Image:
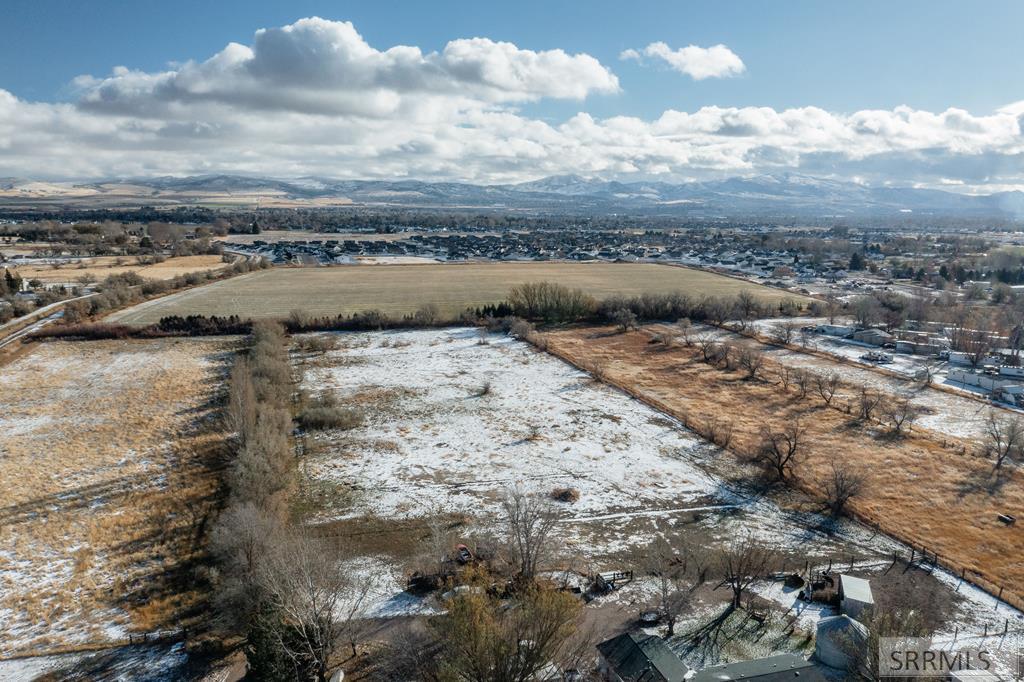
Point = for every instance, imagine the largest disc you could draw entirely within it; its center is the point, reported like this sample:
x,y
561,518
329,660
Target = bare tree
x,y
1004,439
427,314
926,375
826,385
728,354
802,379
842,484
831,307
243,537
741,564
678,571
624,319
746,305
529,522
972,336
706,343
901,414
784,332
867,402
316,602
781,450
808,340
751,360
241,409
685,331
785,375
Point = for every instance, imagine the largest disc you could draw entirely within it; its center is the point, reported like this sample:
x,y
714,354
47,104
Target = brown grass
x,y
920,491
402,289
107,476
105,266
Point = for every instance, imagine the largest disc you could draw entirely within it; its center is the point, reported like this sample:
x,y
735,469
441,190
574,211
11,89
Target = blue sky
x,y
842,58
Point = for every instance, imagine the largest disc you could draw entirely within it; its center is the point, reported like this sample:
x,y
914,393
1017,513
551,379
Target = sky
x,y
908,93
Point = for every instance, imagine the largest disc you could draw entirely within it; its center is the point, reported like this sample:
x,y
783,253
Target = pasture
x,y
100,267
401,289
105,476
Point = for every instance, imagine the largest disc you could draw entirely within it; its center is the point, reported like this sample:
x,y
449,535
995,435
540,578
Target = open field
x,y
106,480
923,488
401,289
105,266
435,442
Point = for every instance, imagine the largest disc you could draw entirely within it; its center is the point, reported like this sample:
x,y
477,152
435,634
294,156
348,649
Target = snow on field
x,y
434,440
446,443
89,444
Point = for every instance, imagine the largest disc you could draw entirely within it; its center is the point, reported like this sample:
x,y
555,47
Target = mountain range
x,y
783,194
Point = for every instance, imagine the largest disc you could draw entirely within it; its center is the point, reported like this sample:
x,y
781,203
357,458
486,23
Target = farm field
x,y
105,482
402,289
453,420
100,267
925,488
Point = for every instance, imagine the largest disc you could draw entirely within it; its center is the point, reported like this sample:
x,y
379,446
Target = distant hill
x,y
782,194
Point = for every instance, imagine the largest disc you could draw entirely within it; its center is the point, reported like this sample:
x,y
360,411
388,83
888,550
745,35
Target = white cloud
x,y
321,66
696,62
314,98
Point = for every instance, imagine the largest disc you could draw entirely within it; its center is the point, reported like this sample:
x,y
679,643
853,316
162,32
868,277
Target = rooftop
x,y
771,669
642,658
857,589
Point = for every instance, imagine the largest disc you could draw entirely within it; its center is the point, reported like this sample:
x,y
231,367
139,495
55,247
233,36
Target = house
x,y
636,657
840,330
855,598
876,337
839,642
771,669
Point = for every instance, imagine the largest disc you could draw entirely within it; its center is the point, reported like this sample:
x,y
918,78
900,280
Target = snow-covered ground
x,y
434,439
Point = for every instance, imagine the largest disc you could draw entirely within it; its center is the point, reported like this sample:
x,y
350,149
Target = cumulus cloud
x,y
314,98
321,66
696,62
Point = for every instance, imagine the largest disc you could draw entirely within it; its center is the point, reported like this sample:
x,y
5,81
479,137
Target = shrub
x,y
319,417
569,495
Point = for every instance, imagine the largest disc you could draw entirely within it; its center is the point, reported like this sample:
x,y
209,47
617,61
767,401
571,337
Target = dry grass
x,y
402,289
105,266
920,491
107,476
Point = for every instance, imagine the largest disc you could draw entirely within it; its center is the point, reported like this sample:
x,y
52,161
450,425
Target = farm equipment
x,y
607,582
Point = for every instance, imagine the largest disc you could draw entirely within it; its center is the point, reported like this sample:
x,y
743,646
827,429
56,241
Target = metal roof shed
x,y
855,596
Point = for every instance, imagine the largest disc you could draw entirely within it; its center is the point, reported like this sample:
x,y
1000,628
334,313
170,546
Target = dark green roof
x,y
772,669
637,657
